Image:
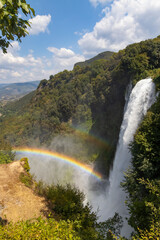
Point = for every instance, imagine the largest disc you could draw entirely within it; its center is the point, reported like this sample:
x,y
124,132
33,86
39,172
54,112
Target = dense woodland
x,y
91,98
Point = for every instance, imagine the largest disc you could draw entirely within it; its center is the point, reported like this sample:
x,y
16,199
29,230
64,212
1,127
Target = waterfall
x,y
140,100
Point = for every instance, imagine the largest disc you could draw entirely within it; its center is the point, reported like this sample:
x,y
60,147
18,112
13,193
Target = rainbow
x,y
61,157
97,141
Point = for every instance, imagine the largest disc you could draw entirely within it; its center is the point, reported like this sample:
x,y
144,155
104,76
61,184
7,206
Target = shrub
x,y
6,153
40,229
66,203
25,177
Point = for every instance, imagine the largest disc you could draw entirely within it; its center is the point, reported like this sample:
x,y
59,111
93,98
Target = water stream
x,y
140,100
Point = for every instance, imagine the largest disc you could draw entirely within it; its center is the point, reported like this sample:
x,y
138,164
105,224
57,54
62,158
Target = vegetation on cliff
x,y
40,229
142,179
6,153
104,55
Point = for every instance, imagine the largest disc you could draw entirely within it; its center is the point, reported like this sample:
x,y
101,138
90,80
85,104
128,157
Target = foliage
x,y
145,165
66,202
104,55
152,233
109,227
25,164
6,153
153,199
157,81
40,229
12,26
152,202
25,177
47,229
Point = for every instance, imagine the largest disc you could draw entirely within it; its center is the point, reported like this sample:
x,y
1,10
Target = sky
x,y
64,32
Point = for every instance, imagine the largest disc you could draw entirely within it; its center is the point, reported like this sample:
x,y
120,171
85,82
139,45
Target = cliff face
x,y
91,98
107,121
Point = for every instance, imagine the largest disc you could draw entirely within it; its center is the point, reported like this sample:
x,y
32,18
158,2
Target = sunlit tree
x,y
12,26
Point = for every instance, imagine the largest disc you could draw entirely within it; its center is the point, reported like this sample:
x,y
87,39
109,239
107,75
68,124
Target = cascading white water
x,y
113,200
140,100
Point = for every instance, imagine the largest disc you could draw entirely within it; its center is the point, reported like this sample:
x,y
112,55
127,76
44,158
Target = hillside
x,y
104,55
10,92
17,202
12,107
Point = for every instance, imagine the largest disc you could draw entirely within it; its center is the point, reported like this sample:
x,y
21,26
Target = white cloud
x,y
81,33
15,68
96,2
39,24
125,22
64,58
14,47
62,52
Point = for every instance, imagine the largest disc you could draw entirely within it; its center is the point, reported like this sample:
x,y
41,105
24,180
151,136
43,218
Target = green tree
x,y
110,227
12,26
67,203
37,229
6,153
152,203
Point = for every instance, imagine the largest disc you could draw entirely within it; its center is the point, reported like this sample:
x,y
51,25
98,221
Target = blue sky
x,y
67,31
68,20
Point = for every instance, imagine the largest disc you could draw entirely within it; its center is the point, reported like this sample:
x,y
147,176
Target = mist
x,y
51,170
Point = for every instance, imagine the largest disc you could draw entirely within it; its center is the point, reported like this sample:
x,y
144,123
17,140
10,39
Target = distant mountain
x,y
3,85
104,55
12,107
14,91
